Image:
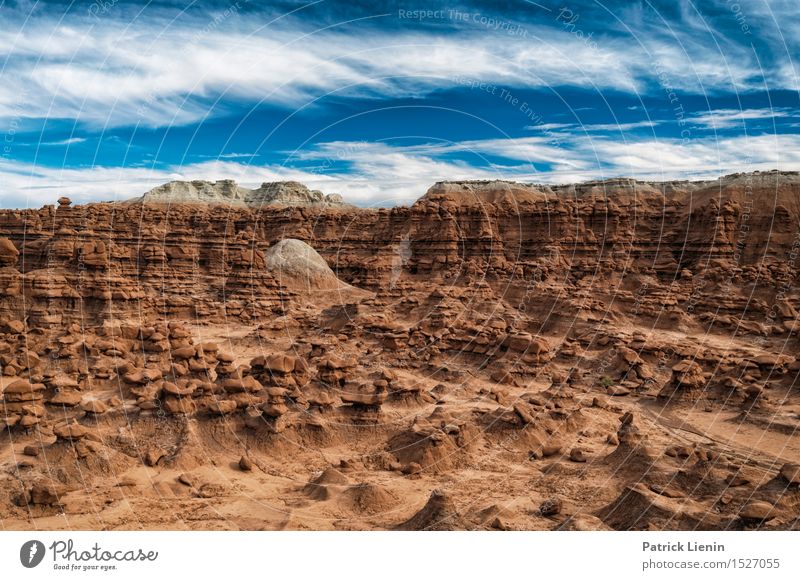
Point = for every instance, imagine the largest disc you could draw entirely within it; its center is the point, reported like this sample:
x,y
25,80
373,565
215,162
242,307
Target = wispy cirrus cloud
x,y
157,71
593,127
732,118
64,142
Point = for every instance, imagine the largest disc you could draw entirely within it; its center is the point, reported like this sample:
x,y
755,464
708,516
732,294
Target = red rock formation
x,y
488,325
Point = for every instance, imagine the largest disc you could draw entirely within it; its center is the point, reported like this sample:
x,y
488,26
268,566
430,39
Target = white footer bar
x,y
407,555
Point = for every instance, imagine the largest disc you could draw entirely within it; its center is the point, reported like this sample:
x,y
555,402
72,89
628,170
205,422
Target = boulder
x,y
577,455
550,507
153,456
756,512
183,391
22,387
66,398
280,363
791,473
183,353
222,407
70,432
94,407
32,450
244,385
44,494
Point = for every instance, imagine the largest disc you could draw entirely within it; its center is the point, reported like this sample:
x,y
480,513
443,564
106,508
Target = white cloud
x,y
732,118
549,127
697,158
230,156
593,127
158,73
70,141
618,126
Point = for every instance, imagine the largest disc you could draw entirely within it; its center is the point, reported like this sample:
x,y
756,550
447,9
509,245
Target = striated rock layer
x,y
605,355
228,192
658,245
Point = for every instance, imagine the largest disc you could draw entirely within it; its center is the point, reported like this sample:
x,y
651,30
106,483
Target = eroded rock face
x,y
9,254
490,328
291,193
189,256
227,192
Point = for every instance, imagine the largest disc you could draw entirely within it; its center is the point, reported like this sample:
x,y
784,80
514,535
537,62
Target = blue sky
x,y
104,100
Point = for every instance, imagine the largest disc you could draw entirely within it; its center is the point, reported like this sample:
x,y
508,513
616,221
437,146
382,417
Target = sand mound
x,y
633,455
638,508
438,515
321,487
778,191
479,193
369,498
488,515
192,447
85,461
768,192
432,448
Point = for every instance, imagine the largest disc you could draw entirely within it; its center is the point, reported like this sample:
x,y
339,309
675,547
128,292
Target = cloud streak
x,y
732,118
65,142
155,71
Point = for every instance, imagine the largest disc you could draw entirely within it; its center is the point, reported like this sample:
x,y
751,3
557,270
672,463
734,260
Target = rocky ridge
x,y
228,192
